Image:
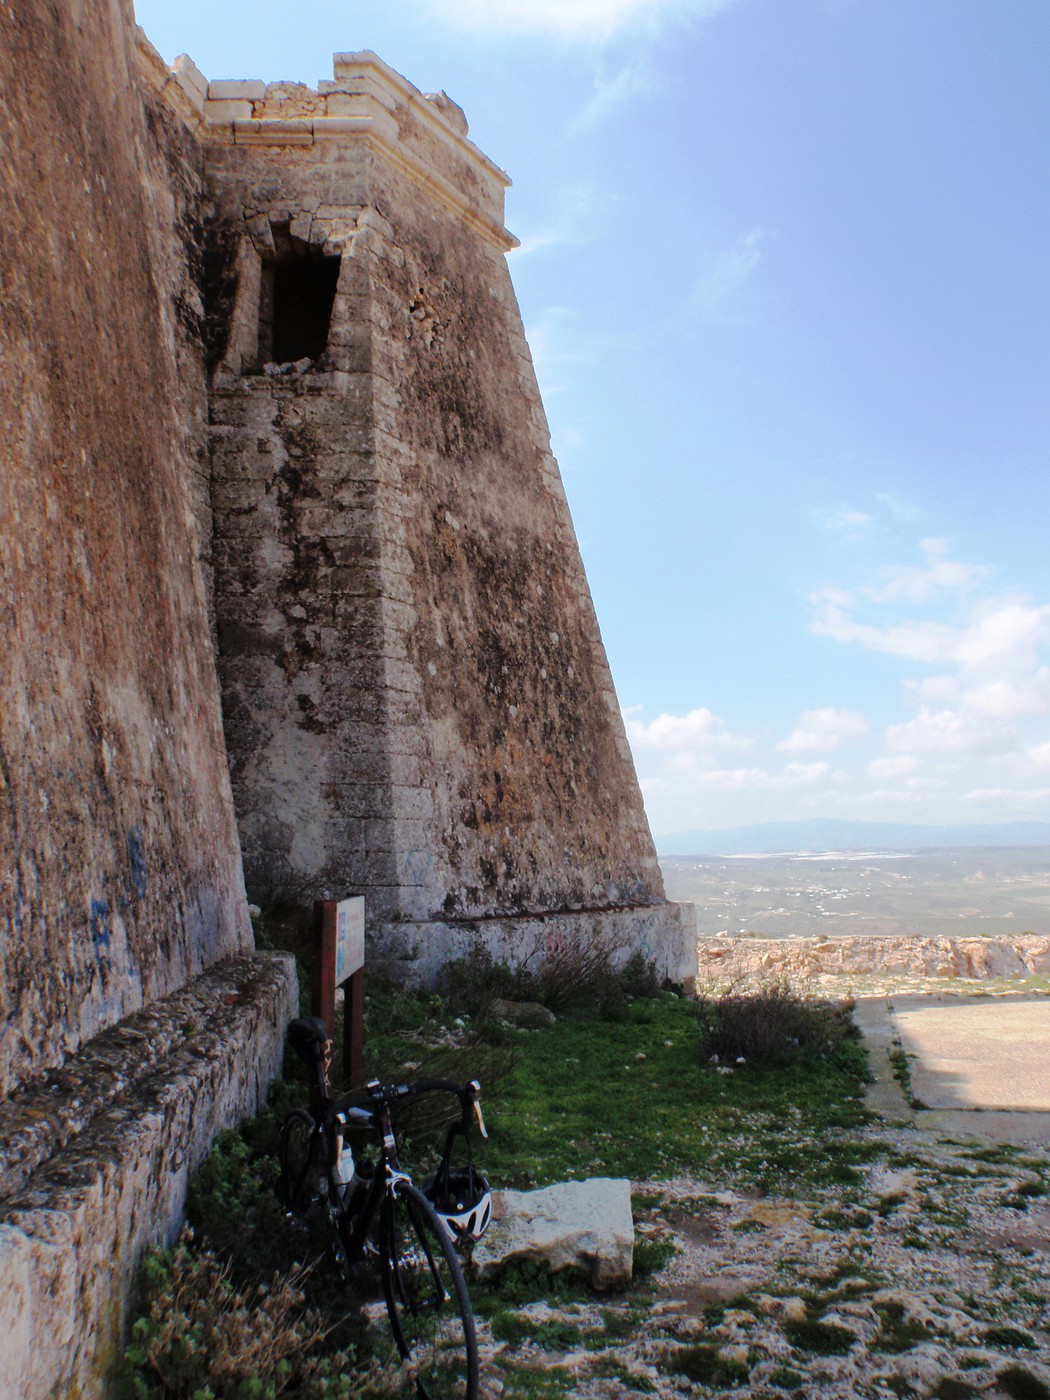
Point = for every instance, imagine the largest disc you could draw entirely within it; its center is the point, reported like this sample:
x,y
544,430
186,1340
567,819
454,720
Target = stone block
x,y
267,131
580,1225
237,89
189,76
226,111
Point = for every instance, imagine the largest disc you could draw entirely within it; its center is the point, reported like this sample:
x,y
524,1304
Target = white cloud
x,y
589,20
806,772
999,632
900,510
1004,630
973,742
937,690
719,284
917,584
554,341
886,769
1008,697
612,91
916,641
845,521
824,729
699,729
947,732
578,215
1009,799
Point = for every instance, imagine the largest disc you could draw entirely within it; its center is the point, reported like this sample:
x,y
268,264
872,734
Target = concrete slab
x,y
977,1053
980,1066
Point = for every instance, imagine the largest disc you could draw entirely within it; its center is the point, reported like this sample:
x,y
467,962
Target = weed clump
x,y
1009,1337
704,1365
201,1334
771,1024
951,1388
823,1338
1020,1384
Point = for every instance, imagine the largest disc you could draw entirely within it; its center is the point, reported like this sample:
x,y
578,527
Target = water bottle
x,y
344,1160
358,1189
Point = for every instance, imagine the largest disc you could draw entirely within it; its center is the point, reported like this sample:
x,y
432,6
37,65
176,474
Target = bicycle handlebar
x,y
362,1106
309,1038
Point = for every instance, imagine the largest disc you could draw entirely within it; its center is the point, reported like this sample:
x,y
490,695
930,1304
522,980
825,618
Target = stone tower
x,y
417,701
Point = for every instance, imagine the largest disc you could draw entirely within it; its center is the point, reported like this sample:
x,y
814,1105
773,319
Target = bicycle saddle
x,y
307,1037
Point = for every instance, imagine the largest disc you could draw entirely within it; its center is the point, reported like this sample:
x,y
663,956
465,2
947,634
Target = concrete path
x,y
980,1066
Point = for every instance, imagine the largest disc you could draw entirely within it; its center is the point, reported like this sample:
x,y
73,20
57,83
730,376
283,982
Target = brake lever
x,y
481,1122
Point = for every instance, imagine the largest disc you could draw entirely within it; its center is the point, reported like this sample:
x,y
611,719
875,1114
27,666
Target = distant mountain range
x,y
828,834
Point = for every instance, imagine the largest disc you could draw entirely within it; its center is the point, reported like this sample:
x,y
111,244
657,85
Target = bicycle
x,y
379,1216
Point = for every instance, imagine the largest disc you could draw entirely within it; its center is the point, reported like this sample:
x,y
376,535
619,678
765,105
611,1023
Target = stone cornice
x,y
359,105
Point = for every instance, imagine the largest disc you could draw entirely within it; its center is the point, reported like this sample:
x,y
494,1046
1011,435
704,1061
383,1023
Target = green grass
x,y
580,1101
702,1364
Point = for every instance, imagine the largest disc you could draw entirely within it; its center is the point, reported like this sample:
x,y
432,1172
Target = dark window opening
x,y
295,310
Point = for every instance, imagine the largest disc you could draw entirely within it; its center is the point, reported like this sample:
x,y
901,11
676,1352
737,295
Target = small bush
x,y
1009,1337
558,974
703,1364
771,1024
232,1203
199,1334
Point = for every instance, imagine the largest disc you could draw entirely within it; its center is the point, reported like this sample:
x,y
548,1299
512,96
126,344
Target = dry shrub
x,y
770,1024
201,1334
562,973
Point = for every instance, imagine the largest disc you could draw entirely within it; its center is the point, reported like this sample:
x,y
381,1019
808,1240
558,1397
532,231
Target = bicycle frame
x,y
355,1227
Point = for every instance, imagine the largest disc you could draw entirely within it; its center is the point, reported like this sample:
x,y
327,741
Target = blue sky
x,y
784,271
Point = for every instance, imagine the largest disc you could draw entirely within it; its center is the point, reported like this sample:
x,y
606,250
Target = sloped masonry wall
x,y
119,864
120,875
418,706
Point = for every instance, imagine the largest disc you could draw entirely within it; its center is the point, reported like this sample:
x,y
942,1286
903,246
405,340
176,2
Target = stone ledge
x,y
104,1173
664,933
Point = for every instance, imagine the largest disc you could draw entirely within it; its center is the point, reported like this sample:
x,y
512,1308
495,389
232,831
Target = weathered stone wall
x,y
737,960
118,849
133,1022
417,700
96,1158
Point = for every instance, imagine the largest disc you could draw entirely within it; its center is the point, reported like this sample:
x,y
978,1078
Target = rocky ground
x,y
926,1275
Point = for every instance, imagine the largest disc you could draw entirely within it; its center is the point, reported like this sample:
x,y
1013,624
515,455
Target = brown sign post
x,y
339,960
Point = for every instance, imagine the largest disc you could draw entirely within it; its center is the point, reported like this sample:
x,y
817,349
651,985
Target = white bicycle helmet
x,y
463,1201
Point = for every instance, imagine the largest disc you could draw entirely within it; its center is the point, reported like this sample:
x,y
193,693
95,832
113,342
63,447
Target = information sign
x,y
349,937
339,960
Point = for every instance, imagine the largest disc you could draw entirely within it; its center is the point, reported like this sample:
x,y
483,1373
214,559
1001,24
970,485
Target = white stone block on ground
x,y
585,1225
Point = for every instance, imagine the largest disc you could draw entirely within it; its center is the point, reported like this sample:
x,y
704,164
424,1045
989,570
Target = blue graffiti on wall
x,y
137,863
101,931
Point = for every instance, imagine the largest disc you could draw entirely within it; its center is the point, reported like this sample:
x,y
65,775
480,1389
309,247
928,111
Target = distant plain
x,y
959,892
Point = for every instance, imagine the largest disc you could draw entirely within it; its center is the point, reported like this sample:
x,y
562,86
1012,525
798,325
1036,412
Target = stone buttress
x,y
417,702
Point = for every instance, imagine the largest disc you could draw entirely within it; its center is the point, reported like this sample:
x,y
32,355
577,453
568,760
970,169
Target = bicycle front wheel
x,y
426,1297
